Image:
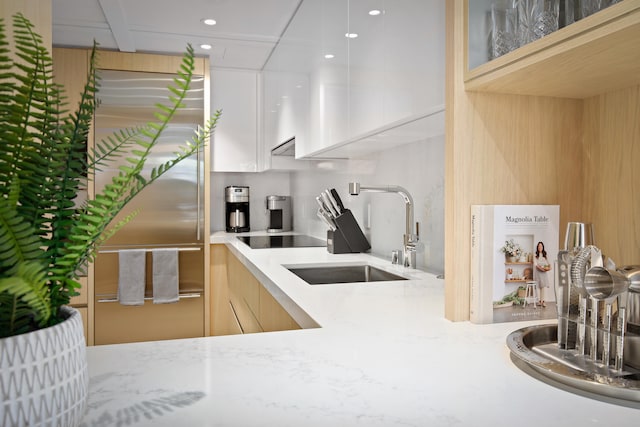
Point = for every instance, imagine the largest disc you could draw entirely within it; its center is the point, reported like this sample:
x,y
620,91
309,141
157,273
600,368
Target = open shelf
x,y
595,55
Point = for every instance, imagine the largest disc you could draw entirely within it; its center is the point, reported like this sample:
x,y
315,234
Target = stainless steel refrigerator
x,y
170,212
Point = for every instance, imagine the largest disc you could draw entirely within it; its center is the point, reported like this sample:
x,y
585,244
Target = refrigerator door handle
x,y
198,185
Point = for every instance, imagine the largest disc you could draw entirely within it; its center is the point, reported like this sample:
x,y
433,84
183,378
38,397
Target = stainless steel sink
x,y
322,275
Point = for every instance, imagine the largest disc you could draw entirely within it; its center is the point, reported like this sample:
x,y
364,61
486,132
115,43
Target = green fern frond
x,y
112,147
20,242
24,300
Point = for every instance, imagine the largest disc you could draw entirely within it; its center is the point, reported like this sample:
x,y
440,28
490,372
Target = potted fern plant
x,y
45,239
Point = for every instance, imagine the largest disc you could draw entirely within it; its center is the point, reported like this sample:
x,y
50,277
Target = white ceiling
x,y
244,36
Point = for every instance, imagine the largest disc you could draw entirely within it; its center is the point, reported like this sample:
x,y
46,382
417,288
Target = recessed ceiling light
x,y
351,35
205,46
375,12
329,56
209,21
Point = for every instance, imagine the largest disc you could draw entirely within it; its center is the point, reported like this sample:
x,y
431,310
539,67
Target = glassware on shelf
x,y
504,21
574,10
589,7
536,19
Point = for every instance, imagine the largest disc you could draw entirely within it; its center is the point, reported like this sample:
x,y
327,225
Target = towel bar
x,y
181,296
115,251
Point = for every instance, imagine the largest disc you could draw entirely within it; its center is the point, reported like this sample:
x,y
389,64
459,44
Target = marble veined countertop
x,y
375,354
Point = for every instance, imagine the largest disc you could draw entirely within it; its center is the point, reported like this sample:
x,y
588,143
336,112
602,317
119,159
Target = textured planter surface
x,y
43,375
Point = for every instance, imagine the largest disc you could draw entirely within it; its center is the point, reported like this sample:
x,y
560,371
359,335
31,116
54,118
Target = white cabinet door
x,y
270,110
312,59
361,89
286,107
396,63
414,70
367,60
234,146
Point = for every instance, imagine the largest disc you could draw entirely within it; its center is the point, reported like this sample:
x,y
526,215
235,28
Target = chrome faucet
x,y
410,238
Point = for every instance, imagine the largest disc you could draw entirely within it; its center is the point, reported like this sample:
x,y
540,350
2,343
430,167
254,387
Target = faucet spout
x,y
411,236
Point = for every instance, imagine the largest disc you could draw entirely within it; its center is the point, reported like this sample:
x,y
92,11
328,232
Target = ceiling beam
x,y
117,20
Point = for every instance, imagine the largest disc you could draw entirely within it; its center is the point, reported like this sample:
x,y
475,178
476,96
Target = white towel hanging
x,y
165,276
131,276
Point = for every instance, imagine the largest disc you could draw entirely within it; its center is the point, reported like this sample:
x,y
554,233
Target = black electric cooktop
x,y
282,241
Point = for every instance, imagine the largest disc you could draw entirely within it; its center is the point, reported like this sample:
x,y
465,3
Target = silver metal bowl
x,y
535,350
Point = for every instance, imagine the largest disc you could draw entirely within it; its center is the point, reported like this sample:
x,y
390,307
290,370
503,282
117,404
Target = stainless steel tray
x,y
535,350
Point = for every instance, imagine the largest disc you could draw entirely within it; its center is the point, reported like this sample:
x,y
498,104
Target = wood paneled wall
x,y
611,127
501,149
36,11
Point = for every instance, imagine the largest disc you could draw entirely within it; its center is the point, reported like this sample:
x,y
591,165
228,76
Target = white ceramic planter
x,y
43,375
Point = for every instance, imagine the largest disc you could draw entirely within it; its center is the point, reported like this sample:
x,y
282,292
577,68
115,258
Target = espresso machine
x,y
237,208
279,211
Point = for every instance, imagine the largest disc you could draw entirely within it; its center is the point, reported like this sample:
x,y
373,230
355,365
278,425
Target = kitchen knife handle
x,y
323,216
333,202
338,200
328,205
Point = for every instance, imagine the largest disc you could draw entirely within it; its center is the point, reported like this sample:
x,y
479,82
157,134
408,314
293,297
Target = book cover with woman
x,y
542,273
513,249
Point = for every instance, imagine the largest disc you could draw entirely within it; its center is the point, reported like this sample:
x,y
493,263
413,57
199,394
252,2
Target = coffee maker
x,y
279,210
237,208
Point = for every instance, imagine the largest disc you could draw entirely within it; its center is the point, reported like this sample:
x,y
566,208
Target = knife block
x,y
348,237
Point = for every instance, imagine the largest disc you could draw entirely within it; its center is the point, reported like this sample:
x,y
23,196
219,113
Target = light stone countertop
x,y
383,355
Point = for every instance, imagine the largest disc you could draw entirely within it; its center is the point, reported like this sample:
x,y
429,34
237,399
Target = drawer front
x,y
234,327
116,323
248,322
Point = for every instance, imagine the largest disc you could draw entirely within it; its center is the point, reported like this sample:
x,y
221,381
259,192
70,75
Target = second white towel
x,y
131,276
165,276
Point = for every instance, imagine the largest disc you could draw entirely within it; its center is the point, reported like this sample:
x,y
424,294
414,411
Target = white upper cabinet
x,y
234,146
305,79
369,81
396,63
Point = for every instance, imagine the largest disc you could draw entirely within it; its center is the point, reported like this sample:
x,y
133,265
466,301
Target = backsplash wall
x,y
418,167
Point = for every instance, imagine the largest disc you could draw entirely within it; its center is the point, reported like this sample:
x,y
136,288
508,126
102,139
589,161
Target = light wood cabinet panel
x,y
116,323
37,11
240,303
234,325
243,294
247,320
70,69
612,178
272,316
250,290
223,320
